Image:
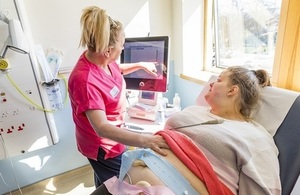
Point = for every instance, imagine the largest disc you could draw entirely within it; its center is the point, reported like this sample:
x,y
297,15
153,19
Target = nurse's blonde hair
x,y
99,31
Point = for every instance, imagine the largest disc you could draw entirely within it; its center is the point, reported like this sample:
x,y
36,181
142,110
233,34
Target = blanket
x,y
195,160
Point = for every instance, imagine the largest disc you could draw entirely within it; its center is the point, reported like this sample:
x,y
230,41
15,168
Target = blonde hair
x,y
99,31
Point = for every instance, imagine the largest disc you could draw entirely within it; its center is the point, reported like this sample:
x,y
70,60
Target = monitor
x,y
147,49
148,97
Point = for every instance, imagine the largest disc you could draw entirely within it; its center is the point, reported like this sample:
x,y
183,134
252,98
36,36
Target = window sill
x,y
201,78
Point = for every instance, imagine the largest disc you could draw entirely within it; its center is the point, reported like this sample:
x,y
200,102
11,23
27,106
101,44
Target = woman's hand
x,y
149,67
155,143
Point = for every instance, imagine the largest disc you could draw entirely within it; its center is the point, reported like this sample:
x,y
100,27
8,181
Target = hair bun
x,y
263,77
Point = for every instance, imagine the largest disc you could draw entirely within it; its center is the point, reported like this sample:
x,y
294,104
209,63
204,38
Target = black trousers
x,y
105,169
101,190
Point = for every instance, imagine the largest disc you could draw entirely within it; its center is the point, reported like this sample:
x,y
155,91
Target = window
x,y
245,33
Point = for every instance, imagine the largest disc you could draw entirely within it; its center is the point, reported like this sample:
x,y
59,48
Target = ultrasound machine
x,y
146,49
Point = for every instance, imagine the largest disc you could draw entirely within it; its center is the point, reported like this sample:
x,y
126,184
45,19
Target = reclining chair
x,y
279,113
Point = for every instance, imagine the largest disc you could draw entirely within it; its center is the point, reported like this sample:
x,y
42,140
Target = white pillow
x,y
274,105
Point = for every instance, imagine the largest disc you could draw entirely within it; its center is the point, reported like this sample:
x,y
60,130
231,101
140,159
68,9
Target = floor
x,y
75,182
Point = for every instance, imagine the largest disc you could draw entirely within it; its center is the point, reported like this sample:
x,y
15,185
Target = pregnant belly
x,y
140,174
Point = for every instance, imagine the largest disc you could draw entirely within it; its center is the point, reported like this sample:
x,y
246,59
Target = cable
x,y
211,122
5,183
30,100
26,97
66,86
11,164
129,178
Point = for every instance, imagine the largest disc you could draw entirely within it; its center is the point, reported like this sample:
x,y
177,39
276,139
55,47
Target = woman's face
x,y
119,46
219,89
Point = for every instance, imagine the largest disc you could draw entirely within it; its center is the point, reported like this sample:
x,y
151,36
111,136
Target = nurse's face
x,y
119,46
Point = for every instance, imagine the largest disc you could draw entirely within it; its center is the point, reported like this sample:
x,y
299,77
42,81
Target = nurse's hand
x,y
150,68
155,143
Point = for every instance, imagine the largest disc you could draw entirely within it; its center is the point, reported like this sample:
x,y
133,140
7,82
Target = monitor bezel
x,y
134,83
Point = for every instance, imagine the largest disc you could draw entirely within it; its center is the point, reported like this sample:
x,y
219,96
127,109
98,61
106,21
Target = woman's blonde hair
x,y
99,31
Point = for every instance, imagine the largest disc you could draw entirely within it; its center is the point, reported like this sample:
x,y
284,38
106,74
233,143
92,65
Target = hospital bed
x,y
279,114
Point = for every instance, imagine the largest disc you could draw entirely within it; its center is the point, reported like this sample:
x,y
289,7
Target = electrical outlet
x,y
5,114
16,112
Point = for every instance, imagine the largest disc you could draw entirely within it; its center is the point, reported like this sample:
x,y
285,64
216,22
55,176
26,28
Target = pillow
x,y
274,105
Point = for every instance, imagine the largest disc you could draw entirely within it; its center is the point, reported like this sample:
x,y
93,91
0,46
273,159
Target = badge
x,y
114,91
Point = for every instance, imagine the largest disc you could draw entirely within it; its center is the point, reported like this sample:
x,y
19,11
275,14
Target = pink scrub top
x,y
90,88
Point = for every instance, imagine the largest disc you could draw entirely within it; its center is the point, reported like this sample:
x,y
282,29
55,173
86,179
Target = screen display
x,y
147,49
148,95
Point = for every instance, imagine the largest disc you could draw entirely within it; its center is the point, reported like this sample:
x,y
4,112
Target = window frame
x,y
212,48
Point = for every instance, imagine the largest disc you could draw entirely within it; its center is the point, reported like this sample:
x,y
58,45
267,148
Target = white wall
x,y
188,33
55,24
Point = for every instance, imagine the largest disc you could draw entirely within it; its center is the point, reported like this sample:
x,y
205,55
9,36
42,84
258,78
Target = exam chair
x,y
279,113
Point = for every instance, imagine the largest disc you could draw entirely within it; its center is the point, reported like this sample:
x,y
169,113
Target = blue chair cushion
x,y
287,139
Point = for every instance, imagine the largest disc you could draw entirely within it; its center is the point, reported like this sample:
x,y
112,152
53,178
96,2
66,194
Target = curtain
x,y
286,71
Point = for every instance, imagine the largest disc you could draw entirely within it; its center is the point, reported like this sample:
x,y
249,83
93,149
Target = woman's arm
x,y
100,124
149,67
260,175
